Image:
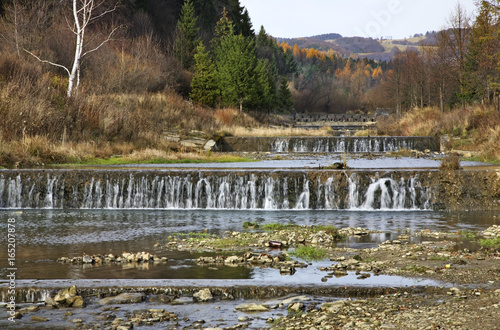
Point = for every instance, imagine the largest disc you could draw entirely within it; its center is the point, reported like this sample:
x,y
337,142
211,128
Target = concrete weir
x,y
326,144
250,189
34,293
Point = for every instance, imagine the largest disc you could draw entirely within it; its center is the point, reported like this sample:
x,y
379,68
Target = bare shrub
x,y
491,148
451,163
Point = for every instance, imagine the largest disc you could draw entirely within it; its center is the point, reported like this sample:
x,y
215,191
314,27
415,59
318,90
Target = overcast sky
x,y
366,18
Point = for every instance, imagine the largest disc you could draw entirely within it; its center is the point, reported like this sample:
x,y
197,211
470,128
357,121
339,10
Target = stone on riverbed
x,y
203,296
124,298
252,307
66,298
493,231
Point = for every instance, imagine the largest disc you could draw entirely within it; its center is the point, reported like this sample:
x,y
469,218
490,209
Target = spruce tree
x,y
187,35
204,88
265,85
285,100
235,60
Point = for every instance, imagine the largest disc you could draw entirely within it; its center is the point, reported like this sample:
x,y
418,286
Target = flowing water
x,y
103,210
240,190
45,235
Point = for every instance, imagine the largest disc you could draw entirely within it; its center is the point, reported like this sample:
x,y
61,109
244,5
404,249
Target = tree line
x,y
208,51
239,69
461,66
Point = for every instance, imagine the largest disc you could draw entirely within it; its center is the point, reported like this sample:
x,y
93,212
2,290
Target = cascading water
x,y
278,190
348,144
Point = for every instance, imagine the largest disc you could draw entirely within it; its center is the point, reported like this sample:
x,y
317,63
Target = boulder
x,y
296,307
123,298
210,145
203,296
251,308
66,298
39,319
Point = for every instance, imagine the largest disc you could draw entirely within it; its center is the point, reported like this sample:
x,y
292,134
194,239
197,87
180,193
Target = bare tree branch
x,y
102,43
49,62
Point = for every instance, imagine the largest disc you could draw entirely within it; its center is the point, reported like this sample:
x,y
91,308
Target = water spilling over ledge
x,y
265,190
327,144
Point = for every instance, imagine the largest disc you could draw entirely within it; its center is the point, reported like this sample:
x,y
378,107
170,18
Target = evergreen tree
x,y
204,83
285,101
241,19
236,67
187,35
482,77
235,60
268,48
266,76
223,29
207,14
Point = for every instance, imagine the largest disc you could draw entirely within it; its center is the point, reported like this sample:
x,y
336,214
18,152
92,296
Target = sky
x,y
366,18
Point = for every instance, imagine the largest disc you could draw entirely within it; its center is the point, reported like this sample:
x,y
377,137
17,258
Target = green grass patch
x,y
125,161
470,235
250,225
310,253
279,226
314,229
490,243
215,241
193,235
484,160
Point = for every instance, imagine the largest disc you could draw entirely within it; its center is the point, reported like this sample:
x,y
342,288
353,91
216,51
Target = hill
x,y
360,47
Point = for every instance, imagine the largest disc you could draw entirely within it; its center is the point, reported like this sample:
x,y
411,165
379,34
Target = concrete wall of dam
x,y
267,190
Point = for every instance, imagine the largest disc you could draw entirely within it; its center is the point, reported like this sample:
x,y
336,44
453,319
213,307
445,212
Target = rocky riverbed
x,y
466,263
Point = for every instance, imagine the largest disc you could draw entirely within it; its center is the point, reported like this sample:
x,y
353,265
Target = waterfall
x,y
278,190
353,201
280,145
337,144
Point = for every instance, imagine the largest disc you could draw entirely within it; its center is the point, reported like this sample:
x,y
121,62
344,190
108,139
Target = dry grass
x,y
450,163
231,117
474,128
365,133
491,148
275,131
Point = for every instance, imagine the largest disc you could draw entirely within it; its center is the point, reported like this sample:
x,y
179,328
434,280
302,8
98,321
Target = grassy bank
x,y
475,128
40,129
174,158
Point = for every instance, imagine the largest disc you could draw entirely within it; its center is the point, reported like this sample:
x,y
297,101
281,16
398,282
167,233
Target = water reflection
x,y
45,235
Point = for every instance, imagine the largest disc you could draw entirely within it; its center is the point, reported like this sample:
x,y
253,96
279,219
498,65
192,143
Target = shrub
x,y
451,162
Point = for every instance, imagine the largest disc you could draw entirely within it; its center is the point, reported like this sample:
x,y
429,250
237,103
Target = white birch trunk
x,y
80,32
82,14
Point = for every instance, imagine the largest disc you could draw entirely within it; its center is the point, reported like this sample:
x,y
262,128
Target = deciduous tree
x,y
85,13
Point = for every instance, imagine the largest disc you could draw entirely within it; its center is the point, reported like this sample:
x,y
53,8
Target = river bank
x,y
466,291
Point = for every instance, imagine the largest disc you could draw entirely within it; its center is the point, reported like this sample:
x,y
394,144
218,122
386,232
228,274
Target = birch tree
x,y
84,13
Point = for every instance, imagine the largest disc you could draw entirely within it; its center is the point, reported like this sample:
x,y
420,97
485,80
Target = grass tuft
x,y
490,243
310,253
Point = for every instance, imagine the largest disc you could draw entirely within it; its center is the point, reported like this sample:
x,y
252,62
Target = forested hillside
x,y
132,69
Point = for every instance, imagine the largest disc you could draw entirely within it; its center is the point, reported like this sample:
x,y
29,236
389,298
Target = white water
x,y
345,144
233,190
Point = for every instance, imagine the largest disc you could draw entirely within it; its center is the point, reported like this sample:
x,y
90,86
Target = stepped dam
x,y
256,190
326,144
